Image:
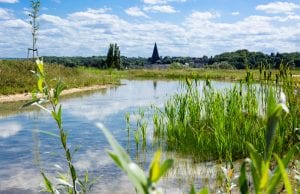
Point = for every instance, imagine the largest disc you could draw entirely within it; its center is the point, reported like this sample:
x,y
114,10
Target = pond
x,y
25,149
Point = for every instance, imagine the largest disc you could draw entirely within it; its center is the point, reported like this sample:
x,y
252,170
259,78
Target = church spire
x,y
155,55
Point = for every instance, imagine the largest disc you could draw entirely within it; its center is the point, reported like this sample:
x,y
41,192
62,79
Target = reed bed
x,y
208,124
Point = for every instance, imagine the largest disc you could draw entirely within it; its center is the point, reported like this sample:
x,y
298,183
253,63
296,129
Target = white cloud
x,y
89,33
197,16
235,13
136,12
153,2
160,8
4,14
9,1
278,7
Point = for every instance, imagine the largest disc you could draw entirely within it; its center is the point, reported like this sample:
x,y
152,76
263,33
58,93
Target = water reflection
x,y
24,150
154,85
9,129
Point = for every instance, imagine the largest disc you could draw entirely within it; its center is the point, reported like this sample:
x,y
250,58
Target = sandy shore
x,y
27,96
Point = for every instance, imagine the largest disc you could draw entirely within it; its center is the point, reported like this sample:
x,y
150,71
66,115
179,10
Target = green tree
x,y
110,56
117,59
113,59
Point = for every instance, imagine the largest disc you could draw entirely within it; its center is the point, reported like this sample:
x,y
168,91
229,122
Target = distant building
x,y
155,61
155,56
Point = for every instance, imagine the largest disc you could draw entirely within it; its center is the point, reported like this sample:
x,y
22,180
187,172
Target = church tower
x,y
155,55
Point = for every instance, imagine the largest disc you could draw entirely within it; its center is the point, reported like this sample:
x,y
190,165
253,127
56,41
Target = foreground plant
x,y
70,182
260,165
143,184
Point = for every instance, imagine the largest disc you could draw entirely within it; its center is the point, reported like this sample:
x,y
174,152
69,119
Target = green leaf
x,y
193,191
256,159
48,133
30,103
59,121
115,159
119,155
40,66
284,175
204,191
62,176
68,155
118,150
40,84
64,182
155,167
73,172
47,183
277,175
271,129
86,177
167,164
264,176
244,189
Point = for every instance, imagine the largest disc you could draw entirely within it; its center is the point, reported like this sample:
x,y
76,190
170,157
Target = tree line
x,y
239,59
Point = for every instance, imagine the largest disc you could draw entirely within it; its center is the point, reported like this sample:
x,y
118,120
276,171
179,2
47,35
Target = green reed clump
x,y
140,132
216,124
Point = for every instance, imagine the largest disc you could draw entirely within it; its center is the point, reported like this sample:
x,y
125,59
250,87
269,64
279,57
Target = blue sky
x,y
180,27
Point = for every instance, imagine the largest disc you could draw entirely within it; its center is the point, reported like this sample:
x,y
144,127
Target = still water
x,y
25,149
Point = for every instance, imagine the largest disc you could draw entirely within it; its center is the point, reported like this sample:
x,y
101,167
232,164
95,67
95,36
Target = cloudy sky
x,y
180,27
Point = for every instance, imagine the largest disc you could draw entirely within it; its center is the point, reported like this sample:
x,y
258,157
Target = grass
x,y
196,73
214,125
15,75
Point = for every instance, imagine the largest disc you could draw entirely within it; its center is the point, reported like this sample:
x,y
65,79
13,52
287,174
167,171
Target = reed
x,y
214,125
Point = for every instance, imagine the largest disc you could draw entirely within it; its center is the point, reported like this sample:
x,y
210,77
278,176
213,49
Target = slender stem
x,y
62,134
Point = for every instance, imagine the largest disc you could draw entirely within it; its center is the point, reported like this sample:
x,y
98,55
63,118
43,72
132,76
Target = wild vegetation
x,y
214,125
260,163
16,76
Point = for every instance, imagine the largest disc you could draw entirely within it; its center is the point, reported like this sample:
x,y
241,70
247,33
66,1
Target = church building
x,y
155,59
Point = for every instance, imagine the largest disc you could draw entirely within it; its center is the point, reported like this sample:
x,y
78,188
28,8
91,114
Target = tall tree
x,y
110,56
35,8
113,59
117,59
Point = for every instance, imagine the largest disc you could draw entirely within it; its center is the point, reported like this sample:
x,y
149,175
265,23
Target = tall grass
x,y
16,76
214,125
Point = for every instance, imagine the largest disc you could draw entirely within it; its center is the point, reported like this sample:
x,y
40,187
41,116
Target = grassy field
x,y
16,76
218,74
